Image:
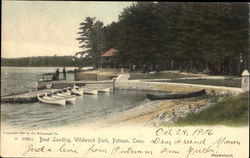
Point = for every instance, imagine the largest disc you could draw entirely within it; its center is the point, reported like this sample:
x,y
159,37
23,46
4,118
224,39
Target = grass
x,y
174,76
214,82
232,111
160,75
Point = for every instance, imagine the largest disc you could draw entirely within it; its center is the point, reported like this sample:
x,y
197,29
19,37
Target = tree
x,y
193,35
91,39
142,34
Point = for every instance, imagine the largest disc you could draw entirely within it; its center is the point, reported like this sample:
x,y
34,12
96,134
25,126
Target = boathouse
x,y
109,59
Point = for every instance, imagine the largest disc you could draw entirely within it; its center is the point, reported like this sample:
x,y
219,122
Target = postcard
x,y
124,79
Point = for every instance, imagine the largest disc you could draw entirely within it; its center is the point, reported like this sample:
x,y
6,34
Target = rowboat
x,y
176,95
105,90
69,99
77,91
90,92
76,87
50,100
63,94
66,91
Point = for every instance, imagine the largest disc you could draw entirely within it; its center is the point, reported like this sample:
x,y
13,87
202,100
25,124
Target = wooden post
x,y
172,65
75,74
245,80
114,79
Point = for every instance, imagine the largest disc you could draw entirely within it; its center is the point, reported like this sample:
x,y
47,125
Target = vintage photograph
x,y
76,64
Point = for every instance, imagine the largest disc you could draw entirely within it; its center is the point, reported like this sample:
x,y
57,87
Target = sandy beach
x,y
152,113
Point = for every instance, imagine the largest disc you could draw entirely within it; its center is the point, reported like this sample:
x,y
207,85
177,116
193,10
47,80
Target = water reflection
x,y
87,108
39,115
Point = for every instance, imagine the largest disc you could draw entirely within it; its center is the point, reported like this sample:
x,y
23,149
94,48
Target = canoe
x,y
90,92
105,90
50,100
176,95
69,99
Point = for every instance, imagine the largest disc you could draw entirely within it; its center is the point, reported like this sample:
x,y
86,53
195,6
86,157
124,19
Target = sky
x,y
47,28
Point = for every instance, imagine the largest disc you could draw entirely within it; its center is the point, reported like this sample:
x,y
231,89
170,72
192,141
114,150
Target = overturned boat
x,y
176,95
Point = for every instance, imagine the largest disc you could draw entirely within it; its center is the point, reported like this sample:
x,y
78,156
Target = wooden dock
x,y
62,83
29,97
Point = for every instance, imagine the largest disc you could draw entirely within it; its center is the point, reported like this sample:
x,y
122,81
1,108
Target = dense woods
x,y
210,37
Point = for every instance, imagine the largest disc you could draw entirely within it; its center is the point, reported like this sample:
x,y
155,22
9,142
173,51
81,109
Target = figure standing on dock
x,y
57,74
64,73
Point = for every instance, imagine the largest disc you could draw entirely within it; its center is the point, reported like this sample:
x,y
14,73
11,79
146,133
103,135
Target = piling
x,y
245,80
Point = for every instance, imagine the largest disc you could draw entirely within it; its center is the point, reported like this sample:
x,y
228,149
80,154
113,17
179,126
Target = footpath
x,y
123,82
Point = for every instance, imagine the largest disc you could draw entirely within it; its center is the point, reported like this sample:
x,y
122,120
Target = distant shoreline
x,y
39,66
42,61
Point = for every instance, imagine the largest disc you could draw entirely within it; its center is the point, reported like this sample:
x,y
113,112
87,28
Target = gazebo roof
x,y
109,53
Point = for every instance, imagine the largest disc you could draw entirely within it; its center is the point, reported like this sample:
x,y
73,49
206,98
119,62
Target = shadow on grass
x,y
213,82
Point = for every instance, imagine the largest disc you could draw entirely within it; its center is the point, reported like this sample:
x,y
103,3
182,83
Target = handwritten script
x,y
165,142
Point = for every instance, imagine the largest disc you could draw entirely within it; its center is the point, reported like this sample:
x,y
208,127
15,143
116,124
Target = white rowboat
x,y
76,87
50,100
62,94
67,93
105,90
77,91
69,99
91,92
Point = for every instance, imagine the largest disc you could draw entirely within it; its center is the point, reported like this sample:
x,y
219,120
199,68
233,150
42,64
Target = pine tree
x,y
91,39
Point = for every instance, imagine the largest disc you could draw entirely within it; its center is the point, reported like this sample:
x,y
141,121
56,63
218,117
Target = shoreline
x,y
150,114
146,114
155,113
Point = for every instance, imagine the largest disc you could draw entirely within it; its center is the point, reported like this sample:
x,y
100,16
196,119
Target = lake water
x,y
22,79
39,115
